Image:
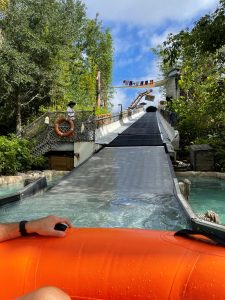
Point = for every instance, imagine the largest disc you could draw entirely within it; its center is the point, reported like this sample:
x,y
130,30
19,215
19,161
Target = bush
x,y
16,155
102,111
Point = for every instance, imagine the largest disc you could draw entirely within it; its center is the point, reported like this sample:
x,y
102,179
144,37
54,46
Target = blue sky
x,y
137,26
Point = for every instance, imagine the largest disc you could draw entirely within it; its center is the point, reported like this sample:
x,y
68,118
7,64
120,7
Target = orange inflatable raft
x,y
114,264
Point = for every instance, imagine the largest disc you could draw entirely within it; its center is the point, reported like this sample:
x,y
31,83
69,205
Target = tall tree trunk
x,y
18,116
98,89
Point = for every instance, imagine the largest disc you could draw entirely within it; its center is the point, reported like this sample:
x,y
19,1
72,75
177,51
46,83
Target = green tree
x,y
200,54
34,36
49,55
97,46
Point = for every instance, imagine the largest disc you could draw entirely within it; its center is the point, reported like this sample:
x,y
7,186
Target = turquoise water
x,y
147,211
10,189
154,212
208,193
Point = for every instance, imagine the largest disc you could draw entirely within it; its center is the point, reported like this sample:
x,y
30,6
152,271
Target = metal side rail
x,y
43,133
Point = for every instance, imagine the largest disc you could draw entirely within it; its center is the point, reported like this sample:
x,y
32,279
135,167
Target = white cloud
x,y
157,39
120,97
141,27
129,61
121,45
150,72
142,43
149,12
136,27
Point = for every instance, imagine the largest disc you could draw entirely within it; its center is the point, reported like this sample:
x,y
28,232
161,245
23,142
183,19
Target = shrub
x,y
16,155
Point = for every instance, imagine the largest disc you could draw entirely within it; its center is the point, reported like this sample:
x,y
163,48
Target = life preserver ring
x,y
66,133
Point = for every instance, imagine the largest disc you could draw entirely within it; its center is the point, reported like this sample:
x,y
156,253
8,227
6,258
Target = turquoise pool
x,y
10,189
208,193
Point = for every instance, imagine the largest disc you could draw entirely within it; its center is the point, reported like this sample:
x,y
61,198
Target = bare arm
x,y
44,226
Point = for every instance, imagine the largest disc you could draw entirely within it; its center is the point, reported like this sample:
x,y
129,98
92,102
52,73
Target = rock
x,y
185,187
33,175
28,181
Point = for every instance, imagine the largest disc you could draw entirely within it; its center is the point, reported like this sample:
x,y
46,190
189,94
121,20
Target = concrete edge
x,y
218,175
109,128
172,134
186,206
166,141
197,223
31,189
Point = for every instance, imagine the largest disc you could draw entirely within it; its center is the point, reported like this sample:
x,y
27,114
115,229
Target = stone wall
x,y
20,177
202,174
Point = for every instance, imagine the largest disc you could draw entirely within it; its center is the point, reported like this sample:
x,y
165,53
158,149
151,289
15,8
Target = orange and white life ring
x,y
66,133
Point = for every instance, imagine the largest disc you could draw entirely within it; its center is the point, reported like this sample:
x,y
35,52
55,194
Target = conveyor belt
x,y
128,171
144,132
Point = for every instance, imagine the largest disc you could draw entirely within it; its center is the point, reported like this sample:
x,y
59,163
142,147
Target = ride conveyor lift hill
x,y
133,166
144,132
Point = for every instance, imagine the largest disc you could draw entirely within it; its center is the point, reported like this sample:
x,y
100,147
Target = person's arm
x,y
44,226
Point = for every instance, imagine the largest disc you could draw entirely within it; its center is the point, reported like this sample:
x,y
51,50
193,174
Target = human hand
x,y
45,226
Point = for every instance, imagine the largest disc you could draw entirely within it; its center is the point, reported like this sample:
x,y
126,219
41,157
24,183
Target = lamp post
x,y
121,108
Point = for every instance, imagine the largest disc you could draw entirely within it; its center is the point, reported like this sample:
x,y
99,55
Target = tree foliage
x,y
50,53
200,54
16,155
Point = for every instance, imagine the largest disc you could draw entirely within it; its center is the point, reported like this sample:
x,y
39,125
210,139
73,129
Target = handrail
x,y
85,124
